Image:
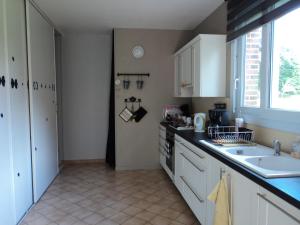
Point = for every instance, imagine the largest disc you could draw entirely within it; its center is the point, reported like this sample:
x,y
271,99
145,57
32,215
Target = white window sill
x,y
272,118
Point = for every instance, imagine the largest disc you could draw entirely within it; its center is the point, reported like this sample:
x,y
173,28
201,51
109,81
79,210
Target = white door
x,y
19,106
275,211
6,174
216,171
186,67
244,200
41,55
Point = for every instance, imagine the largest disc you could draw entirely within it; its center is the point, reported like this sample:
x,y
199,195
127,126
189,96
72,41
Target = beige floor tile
x,y
186,218
93,219
108,212
67,220
159,220
145,215
132,211
169,213
120,218
134,221
107,222
96,195
82,213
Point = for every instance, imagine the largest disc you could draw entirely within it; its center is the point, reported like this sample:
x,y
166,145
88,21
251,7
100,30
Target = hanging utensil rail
x,y
134,74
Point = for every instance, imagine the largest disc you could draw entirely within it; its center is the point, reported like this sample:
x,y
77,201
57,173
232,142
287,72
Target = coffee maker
x,y
218,116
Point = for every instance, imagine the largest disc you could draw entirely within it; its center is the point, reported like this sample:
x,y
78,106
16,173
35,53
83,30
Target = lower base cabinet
x,y
244,199
196,175
274,211
191,163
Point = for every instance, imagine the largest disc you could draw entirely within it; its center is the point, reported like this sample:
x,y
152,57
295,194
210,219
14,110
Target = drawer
x,y
195,202
195,154
195,175
162,132
162,142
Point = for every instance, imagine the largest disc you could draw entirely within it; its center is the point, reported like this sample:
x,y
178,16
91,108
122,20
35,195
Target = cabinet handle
x,y
222,172
187,184
264,197
201,170
197,154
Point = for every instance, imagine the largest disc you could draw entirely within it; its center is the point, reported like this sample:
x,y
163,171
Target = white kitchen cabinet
x,y
6,172
16,58
216,170
191,176
41,49
200,67
186,68
274,211
244,200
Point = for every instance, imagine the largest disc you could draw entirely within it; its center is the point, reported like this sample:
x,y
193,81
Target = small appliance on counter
x,y
178,117
218,116
199,122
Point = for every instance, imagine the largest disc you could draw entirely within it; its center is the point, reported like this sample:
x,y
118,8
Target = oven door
x,y
169,149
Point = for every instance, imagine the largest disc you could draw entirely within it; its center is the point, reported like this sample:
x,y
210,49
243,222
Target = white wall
x,y
86,85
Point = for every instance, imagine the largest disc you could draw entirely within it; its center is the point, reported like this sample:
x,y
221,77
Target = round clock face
x,y
138,52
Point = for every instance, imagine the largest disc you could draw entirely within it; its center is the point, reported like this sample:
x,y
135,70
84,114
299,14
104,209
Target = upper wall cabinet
x,y
200,67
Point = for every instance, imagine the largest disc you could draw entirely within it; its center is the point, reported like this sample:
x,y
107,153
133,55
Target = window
x,y
266,64
285,91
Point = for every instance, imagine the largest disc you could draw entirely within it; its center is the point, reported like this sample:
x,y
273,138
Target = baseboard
x,y
84,161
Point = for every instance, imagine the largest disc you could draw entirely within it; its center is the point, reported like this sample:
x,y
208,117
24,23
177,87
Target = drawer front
x,y
195,175
196,203
162,157
162,142
162,132
196,155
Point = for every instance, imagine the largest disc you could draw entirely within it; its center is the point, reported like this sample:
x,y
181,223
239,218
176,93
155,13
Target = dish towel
x,y
220,197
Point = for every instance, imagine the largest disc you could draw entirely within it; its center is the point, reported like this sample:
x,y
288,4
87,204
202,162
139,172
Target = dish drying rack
x,y
231,135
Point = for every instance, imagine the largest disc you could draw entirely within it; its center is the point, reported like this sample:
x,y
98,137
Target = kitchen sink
x,y
274,166
250,151
261,160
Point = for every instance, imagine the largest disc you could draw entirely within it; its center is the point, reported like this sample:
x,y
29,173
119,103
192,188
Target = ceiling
x,y
102,15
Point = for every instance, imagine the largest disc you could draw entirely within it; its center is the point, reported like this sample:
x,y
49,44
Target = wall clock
x,y
138,52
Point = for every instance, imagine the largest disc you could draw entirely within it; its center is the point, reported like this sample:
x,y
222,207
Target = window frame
x,y
264,115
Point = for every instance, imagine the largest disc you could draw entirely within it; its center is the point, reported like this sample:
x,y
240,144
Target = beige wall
x,y
85,95
216,24
137,143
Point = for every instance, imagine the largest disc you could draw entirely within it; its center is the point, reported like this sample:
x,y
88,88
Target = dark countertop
x,y
285,188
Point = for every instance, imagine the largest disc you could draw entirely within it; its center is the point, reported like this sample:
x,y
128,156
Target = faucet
x,y
277,147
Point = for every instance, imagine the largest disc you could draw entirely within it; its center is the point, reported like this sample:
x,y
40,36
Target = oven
x,y
170,150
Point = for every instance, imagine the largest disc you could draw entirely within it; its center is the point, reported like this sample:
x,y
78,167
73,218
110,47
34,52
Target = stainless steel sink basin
x,y
249,151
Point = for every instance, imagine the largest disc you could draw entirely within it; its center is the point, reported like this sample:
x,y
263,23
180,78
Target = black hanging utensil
x,y
140,113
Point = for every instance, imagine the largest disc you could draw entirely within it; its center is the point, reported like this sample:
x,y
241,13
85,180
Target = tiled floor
x,y
95,194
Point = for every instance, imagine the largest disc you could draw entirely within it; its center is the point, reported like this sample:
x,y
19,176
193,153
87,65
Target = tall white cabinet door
x,y
6,174
273,210
243,191
41,56
19,105
186,67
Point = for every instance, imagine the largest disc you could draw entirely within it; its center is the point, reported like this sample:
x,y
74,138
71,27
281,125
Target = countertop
x,y
285,188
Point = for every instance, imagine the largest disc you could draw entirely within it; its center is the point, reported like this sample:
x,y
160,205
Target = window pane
x,y
286,63
252,68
